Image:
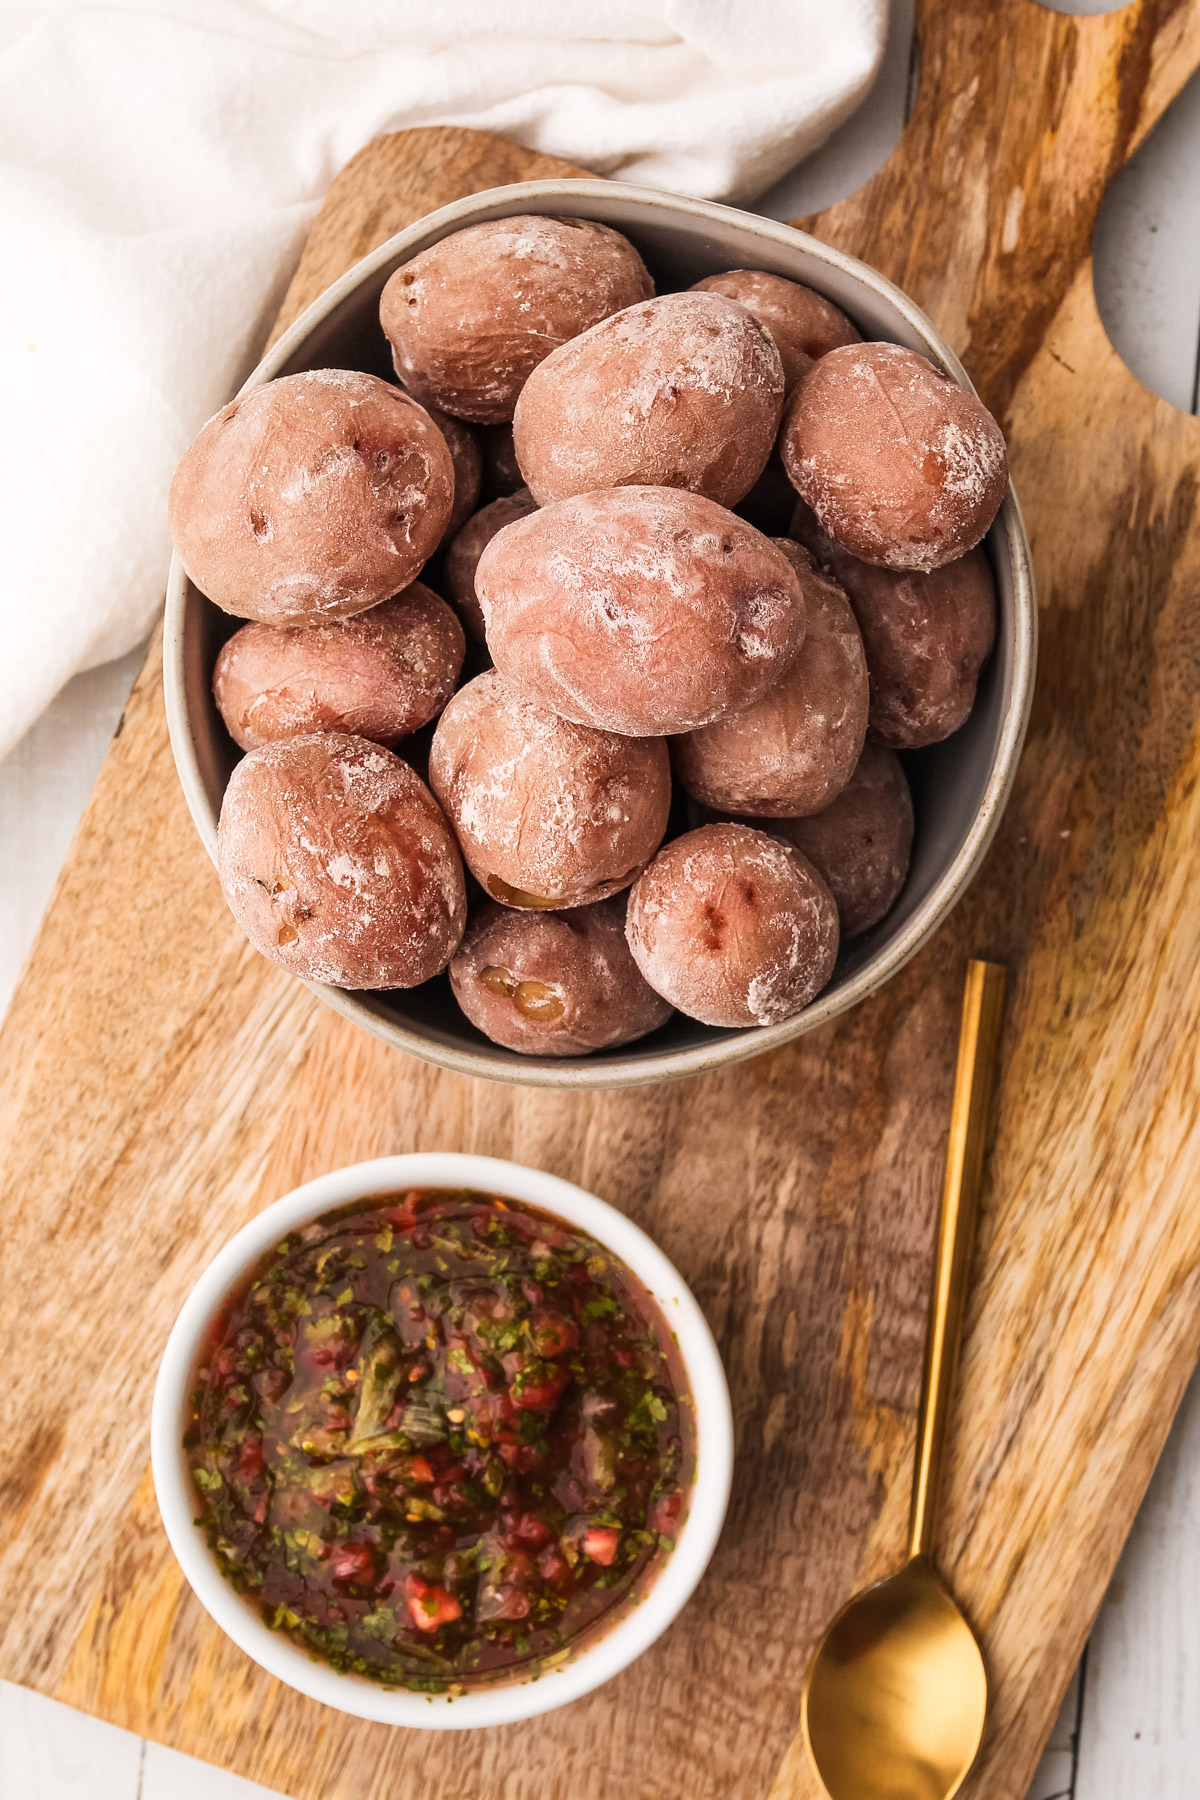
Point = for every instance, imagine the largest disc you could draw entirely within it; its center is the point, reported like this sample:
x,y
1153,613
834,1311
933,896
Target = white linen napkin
x,y
160,164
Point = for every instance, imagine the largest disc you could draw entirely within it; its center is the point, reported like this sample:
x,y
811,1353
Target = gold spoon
x,y
896,1697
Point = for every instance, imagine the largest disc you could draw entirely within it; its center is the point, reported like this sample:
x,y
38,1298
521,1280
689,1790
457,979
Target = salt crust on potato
x,y
640,610
862,843
548,813
926,636
554,983
312,497
462,557
378,675
470,318
901,466
685,391
733,927
794,749
338,863
802,322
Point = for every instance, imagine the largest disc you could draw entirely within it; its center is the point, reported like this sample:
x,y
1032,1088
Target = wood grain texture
x,y
159,1083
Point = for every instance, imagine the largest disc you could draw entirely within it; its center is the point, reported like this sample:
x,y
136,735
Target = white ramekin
x,y
600,1659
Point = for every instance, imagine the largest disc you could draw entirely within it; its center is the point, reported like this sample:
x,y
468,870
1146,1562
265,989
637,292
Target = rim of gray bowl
x,y
847,276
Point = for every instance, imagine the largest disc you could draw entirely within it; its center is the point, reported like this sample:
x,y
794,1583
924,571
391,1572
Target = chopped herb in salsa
x,y
438,1437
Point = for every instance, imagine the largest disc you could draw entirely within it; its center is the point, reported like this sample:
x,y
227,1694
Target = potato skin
x,y
793,750
640,610
861,844
733,926
685,391
548,814
901,466
338,864
802,322
312,497
462,557
926,636
554,983
470,318
378,675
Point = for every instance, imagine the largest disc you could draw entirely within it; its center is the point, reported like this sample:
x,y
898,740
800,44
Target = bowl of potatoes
x,y
600,637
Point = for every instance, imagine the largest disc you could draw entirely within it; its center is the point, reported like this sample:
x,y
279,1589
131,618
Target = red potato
x,y
771,501
467,457
926,636
548,814
793,750
462,557
861,844
901,466
639,610
338,864
802,322
312,497
684,391
466,453
470,318
378,675
554,984
501,474
733,927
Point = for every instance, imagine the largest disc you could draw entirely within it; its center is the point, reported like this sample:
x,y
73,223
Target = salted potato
x,y
862,842
554,983
771,501
312,497
684,391
548,813
733,927
802,322
794,749
470,318
901,466
462,557
926,636
640,610
501,474
378,675
467,457
338,864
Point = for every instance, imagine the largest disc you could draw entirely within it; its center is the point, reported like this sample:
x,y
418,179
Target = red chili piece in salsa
x,y
438,1437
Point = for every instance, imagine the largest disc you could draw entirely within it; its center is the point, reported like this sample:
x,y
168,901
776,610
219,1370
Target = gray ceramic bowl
x,y
959,786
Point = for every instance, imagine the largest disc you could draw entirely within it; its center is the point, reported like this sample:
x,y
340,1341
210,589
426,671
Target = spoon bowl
x,y
897,1696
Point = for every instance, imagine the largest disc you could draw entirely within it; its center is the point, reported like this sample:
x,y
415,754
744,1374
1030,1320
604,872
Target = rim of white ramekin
x,y
611,1651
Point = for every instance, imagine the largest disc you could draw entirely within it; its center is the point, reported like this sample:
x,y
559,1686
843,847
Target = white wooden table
x,y
1130,1726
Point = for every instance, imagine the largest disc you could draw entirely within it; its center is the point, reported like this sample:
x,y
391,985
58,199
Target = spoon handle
x,y
978,1042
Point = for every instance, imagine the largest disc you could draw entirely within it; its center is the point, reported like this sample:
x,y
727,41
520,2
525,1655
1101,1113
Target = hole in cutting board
x,y
847,160
1083,9
1147,256
1146,253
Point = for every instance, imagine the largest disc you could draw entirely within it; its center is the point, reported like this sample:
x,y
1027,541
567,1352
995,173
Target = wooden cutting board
x,y
160,1083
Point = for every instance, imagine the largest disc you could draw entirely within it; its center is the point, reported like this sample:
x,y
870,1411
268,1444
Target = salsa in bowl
x,y
442,1441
